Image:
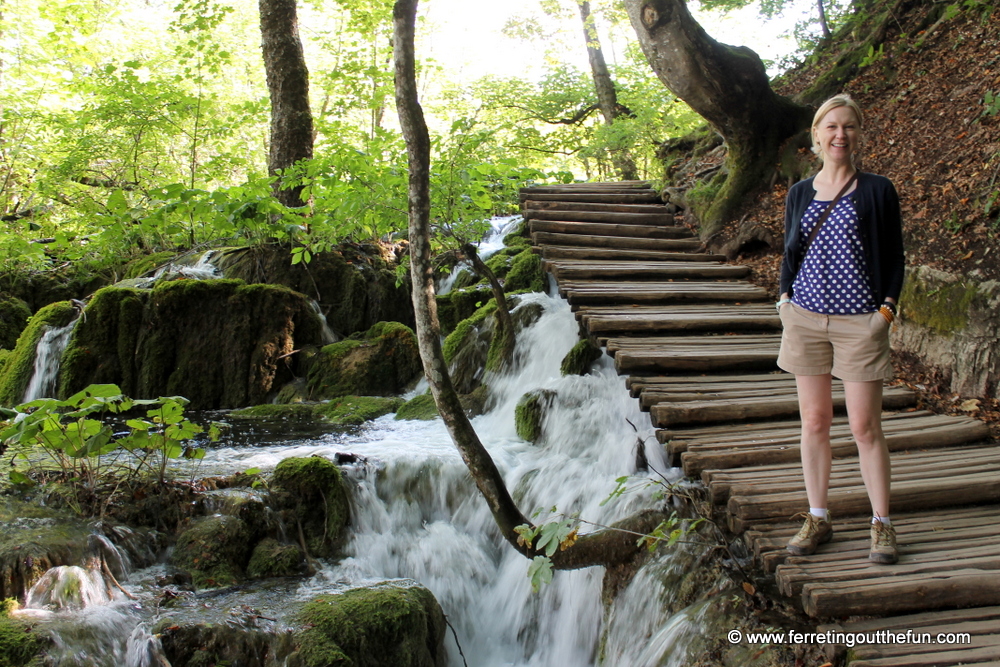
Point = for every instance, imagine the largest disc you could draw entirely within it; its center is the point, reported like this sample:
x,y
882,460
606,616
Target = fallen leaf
x,y
971,405
748,587
967,255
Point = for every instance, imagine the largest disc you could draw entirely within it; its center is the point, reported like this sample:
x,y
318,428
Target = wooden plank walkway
x,y
698,344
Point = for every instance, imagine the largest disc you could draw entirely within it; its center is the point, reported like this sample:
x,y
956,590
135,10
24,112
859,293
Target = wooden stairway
x,y
699,345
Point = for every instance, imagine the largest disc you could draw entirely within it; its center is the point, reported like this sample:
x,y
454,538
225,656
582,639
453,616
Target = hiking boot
x,y
883,544
814,532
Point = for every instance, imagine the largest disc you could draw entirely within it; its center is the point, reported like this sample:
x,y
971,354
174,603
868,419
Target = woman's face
x,y
837,135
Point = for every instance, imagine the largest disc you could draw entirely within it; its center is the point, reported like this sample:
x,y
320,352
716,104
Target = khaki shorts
x,y
850,347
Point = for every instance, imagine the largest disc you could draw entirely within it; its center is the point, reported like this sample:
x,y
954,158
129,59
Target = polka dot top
x,y
833,279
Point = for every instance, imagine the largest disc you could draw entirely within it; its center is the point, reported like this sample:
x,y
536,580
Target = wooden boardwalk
x,y
698,344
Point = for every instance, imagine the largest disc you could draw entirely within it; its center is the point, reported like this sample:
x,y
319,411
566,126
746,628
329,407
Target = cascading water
x,y
489,245
48,355
417,515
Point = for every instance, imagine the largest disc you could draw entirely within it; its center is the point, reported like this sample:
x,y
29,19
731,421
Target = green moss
x,y
292,411
519,237
20,364
703,194
215,550
273,559
148,263
371,627
302,486
579,360
14,316
526,273
356,410
937,303
419,408
457,338
18,644
460,304
383,363
529,415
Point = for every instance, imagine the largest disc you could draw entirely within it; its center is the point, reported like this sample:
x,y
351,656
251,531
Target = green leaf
x,y
20,478
540,572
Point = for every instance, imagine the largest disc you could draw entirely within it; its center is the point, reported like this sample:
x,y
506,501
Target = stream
x,y
416,515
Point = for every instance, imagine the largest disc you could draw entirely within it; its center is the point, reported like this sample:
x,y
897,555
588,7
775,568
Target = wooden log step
x,y
660,220
768,542
639,383
627,242
977,621
925,432
579,252
589,186
596,292
695,358
977,648
648,399
590,270
696,343
787,477
616,229
606,197
678,317
530,206
893,595
953,490
765,407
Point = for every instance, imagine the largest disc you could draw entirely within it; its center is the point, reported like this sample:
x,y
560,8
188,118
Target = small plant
x,y
69,438
991,103
872,55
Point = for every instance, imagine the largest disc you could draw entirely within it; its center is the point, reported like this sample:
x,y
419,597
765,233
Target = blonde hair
x,y
835,102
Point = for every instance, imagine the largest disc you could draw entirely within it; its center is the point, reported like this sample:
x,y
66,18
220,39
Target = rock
x,y
273,559
460,304
475,403
355,284
288,411
20,364
529,415
310,493
220,343
949,323
147,264
221,643
525,273
419,408
579,359
19,645
33,540
14,316
356,410
214,550
381,362
382,625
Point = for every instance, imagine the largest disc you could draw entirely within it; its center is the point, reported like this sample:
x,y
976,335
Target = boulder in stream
x,y
387,624
14,316
383,361
214,550
19,645
310,495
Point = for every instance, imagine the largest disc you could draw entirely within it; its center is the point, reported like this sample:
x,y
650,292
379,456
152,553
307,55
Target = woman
x,y
838,300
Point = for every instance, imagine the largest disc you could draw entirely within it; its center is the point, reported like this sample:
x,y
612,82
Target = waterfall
x,y
48,355
490,244
326,333
416,514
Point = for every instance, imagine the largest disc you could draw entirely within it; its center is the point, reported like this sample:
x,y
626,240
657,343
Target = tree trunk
x,y
607,98
728,87
288,85
601,548
505,323
822,20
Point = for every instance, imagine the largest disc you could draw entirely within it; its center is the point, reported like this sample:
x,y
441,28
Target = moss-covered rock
x,y
140,266
421,407
35,539
475,402
579,359
309,492
529,415
270,558
289,411
214,550
467,347
460,304
14,316
19,645
220,343
382,362
354,284
216,644
526,273
356,410
20,364
371,627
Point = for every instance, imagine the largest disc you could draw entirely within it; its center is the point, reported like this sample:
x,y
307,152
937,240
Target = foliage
x,y
72,437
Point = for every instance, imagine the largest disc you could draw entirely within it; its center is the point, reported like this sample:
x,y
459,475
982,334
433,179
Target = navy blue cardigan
x,y
879,222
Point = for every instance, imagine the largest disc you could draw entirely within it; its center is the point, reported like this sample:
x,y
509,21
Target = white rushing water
x,y
417,515
48,354
492,243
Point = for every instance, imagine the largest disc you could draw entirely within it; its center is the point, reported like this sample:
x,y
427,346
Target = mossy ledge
x,y
369,627
309,493
19,645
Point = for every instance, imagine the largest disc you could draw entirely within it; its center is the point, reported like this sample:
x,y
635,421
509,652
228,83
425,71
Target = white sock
x,y
820,513
884,520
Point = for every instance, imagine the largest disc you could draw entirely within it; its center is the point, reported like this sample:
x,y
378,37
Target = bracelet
x,y
781,302
891,306
886,312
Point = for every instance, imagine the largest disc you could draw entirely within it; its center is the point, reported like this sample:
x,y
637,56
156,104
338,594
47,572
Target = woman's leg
x,y
864,411
816,412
